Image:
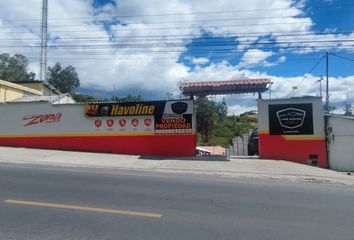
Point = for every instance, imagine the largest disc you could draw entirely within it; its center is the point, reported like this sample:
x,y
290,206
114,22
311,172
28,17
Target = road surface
x,y
43,202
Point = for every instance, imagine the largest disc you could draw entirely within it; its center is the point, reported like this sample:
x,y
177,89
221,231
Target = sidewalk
x,y
234,168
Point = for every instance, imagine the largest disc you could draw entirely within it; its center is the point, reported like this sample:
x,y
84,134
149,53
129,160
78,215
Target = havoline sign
x,y
137,108
162,117
290,119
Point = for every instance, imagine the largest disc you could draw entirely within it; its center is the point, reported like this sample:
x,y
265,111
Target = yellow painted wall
x,y
2,94
11,91
8,94
35,86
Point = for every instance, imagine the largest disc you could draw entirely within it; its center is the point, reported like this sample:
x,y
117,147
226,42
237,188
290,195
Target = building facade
x,y
11,91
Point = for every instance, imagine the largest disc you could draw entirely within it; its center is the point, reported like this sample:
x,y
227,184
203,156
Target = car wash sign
x,y
158,117
290,119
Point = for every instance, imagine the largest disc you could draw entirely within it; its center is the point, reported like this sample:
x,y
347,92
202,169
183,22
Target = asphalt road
x,y
107,204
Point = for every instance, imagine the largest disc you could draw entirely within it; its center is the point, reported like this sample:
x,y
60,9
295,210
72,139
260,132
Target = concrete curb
x,y
217,166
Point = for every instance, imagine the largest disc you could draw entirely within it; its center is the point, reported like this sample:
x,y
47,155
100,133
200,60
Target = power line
x,y
178,44
116,22
165,22
174,28
311,70
132,55
181,50
156,15
136,60
191,13
191,36
338,56
157,60
197,52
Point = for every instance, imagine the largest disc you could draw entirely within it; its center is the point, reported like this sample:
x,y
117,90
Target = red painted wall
x,y
278,147
158,145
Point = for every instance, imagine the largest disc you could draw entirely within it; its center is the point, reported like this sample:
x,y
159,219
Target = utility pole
x,y
320,82
327,89
270,92
44,29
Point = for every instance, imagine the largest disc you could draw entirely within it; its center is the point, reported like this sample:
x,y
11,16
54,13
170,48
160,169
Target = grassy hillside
x,y
230,127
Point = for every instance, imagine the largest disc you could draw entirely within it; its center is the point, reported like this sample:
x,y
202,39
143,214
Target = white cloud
x,y
340,88
254,57
281,59
278,61
316,43
198,61
238,109
132,58
143,51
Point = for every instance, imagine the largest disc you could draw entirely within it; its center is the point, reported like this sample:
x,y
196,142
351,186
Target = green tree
x,y
84,98
207,116
222,135
222,110
224,132
214,127
242,128
170,96
129,98
15,68
64,79
348,110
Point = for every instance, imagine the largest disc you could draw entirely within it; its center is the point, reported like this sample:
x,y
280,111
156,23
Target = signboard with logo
x,y
292,129
41,118
290,119
159,117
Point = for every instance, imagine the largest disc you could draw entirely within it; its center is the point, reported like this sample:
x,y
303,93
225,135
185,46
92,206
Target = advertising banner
x,y
158,117
290,119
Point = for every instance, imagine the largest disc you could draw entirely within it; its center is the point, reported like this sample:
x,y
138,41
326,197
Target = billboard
x,y
290,119
158,117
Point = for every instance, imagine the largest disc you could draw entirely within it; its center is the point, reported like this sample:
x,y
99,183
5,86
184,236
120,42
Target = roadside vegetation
x,y
215,127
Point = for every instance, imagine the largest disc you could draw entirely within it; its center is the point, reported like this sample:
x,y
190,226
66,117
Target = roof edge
x,y
19,87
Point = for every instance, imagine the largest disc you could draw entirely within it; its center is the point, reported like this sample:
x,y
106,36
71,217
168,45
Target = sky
x,y
148,47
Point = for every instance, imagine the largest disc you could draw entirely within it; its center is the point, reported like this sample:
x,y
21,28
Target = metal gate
x,y
341,143
239,145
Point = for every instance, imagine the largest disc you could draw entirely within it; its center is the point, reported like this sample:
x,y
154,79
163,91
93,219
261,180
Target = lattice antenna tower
x,y
44,29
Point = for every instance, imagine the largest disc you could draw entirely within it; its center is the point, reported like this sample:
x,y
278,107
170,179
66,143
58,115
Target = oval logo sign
x,y
291,117
179,107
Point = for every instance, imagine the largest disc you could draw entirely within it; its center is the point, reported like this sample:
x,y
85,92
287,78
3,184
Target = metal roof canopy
x,y
225,87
